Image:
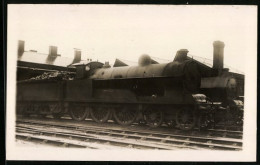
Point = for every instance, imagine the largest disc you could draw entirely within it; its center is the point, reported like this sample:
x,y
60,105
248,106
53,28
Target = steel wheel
x,y
170,122
43,110
169,119
79,112
153,118
186,119
204,121
100,114
240,118
55,109
125,116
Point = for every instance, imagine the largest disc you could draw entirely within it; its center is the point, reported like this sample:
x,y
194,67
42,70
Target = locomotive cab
x,y
84,70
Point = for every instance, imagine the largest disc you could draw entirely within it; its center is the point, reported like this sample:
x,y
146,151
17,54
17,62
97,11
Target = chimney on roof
x,y
20,47
53,50
181,55
77,56
218,55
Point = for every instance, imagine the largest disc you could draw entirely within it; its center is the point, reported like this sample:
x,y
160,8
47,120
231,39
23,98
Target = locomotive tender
x,y
154,93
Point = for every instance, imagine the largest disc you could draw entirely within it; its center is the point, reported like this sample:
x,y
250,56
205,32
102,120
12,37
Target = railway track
x,y
74,134
219,131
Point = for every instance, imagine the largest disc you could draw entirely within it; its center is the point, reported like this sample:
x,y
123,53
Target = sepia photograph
x,y
131,82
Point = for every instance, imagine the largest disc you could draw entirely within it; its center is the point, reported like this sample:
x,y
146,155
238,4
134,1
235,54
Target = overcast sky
x,y
106,32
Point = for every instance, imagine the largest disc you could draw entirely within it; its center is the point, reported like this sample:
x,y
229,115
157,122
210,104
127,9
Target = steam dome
x,y
144,60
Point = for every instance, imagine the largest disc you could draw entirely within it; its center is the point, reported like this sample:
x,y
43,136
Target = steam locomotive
x,y
153,94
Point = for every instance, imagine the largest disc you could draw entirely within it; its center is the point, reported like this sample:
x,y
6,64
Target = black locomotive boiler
x,y
154,93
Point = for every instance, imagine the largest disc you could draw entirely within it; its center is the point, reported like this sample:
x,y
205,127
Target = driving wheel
x,y
100,114
125,116
79,112
186,119
153,118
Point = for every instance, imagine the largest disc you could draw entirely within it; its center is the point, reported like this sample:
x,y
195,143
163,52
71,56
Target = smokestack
x,y
77,56
218,55
20,47
181,55
53,50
